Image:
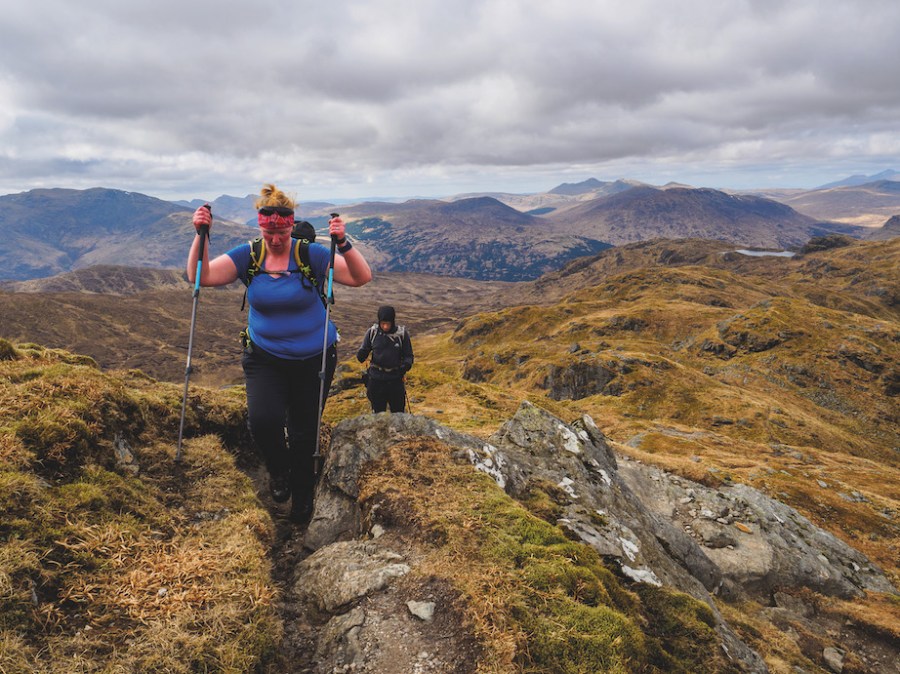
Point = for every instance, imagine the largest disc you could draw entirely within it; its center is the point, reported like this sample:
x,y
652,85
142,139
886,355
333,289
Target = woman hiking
x,y
286,332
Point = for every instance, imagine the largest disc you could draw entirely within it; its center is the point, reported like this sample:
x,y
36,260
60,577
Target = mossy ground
x,y
539,601
135,564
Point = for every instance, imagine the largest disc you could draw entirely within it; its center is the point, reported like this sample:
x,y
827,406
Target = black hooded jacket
x,y
392,353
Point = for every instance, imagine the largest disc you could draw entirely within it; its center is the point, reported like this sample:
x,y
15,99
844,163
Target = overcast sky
x,y
333,99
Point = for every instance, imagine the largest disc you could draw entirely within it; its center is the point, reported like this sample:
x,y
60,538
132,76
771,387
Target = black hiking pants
x,y
285,394
386,392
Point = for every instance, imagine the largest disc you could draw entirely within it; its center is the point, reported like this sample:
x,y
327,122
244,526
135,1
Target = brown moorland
x,y
720,367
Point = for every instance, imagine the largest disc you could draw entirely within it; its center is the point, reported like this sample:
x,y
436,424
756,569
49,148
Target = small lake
x,y
766,253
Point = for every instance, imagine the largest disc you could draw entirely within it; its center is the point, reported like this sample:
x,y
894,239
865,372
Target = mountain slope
x,y
477,238
868,204
727,370
835,271
790,368
52,231
643,213
889,230
127,317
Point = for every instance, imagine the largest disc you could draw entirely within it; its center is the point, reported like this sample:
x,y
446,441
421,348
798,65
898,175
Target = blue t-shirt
x,y
286,317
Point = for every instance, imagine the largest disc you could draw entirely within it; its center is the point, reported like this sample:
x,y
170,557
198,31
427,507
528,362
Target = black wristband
x,y
344,247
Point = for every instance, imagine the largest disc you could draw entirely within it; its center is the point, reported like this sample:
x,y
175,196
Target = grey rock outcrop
x,y
534,447
355,443
656,528
375,616
768,545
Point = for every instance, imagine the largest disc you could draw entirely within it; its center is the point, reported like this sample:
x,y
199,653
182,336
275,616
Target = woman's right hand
x,y
203,216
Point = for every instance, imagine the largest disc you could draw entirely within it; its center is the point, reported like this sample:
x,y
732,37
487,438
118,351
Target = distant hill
x,y
860,179
588,185
867,205
238,209
890,230
243,209
593,187
102,278
483,238
49,231
645,212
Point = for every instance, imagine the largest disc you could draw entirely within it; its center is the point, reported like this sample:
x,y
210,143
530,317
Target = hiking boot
x,y
279,488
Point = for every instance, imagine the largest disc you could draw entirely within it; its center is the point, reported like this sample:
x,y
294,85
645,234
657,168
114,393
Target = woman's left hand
x,y
337,228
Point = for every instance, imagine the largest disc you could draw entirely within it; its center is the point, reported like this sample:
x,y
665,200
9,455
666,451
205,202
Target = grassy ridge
x,y
104,566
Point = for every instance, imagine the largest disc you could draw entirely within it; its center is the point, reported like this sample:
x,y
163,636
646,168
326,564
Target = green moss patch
x,y
539,601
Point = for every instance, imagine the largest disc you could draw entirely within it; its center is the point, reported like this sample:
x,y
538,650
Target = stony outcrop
x,y
759,545
655,528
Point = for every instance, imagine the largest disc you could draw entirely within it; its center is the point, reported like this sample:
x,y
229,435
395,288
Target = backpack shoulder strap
x,y
301,257
257,256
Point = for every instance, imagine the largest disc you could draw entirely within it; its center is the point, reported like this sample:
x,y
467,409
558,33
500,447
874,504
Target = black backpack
x,y
303,230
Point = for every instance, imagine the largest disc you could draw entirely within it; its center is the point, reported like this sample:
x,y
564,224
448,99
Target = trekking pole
x,y
204,235
329,300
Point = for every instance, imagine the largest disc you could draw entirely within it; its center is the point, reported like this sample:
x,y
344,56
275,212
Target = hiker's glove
x,y
336,227
202,216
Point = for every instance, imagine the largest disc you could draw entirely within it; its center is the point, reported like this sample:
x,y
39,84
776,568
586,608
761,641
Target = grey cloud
x,y
385,89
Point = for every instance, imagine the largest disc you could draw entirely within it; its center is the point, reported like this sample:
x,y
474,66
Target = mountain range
x,y
861,179
48,231
486,237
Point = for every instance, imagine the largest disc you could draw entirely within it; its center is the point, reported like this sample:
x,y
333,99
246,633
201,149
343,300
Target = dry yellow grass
x,y
103,568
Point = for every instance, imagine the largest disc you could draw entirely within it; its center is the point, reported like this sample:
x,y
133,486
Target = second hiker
x,y
392,358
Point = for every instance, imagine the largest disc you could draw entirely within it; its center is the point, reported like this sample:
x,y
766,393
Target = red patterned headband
x,y
275,221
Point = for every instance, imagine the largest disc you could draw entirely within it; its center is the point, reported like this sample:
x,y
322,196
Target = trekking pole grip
x,y
330,293
203,231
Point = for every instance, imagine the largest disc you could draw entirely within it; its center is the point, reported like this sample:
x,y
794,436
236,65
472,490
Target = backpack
x,y
303,230
398,336
301,257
